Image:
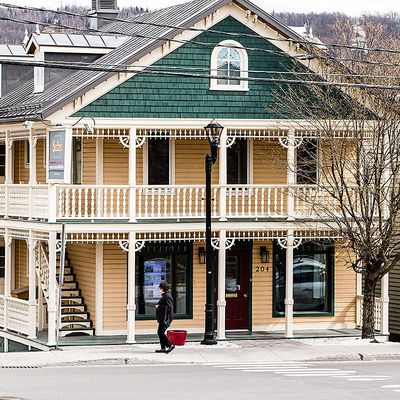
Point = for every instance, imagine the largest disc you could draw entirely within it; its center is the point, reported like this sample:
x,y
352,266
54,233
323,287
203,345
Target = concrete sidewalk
x,y
224,352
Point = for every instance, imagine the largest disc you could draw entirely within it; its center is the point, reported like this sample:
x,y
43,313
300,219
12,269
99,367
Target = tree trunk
x,y
368,328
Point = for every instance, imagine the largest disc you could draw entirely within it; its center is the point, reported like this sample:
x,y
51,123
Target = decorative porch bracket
x,y
284,142
124,245
296,242
229,242
125,142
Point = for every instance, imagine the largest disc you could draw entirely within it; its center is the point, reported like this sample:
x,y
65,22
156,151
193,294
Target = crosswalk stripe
x,y
390,386
268,368
219,365
366,379
314,374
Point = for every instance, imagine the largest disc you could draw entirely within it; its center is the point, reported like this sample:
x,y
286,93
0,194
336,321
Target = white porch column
x,y
9,159
385,305
32,286
222,174
51,309
358,299
221,302
289,302
8,264
291,174
132,175
131,289
99,288
32,158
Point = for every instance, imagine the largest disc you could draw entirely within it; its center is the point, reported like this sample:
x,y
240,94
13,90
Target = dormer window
x,y
229,60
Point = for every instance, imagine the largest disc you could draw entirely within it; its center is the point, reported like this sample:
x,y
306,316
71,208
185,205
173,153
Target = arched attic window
x,y
229,60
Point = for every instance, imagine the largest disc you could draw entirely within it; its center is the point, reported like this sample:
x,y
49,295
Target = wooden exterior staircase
x,y
75,319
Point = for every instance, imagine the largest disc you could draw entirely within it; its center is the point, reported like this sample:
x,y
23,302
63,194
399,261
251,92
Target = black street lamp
x,y
213,130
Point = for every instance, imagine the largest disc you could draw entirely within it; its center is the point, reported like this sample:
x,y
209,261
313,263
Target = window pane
x,y
307,162
158,263
228,64
2,261
232,281
158,162
2,159
237,162
312,277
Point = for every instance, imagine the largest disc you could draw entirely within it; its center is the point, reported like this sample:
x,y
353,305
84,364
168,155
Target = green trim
x,y
189,285
331,289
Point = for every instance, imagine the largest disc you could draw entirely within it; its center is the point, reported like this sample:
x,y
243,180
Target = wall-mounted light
x,y
264,254
202,255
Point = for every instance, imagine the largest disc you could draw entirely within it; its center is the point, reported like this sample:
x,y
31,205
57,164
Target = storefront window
x,y
312,278
163,262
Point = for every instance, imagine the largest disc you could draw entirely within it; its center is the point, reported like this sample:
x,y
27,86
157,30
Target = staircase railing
x,y
42,269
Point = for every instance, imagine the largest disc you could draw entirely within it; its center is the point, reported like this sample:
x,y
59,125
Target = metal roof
x,y
58,94
78,40
13,50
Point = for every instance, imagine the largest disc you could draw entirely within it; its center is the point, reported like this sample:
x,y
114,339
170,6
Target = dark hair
x,y
165,286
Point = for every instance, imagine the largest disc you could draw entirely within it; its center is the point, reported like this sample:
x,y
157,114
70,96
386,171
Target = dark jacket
x,y
164,311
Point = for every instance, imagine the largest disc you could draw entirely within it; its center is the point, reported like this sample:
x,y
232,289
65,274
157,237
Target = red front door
x,y
237,289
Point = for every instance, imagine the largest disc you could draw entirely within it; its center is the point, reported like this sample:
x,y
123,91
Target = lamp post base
x,y
209,339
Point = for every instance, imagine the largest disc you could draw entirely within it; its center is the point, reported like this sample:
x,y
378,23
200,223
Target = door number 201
x,y
262,269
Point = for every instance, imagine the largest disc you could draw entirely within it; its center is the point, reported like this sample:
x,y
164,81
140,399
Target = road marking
x,y
333,374
390,386
366,379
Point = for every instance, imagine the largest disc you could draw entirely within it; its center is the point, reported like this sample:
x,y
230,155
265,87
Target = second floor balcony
x,y
90,203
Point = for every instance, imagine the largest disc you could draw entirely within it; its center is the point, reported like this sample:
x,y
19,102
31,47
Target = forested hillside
x,y
13,22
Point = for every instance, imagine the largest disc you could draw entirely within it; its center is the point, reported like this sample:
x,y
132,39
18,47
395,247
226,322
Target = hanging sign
x,y
56,162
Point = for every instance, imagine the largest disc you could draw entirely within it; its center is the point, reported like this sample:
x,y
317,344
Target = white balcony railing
x,y
378,317
117,202
14,315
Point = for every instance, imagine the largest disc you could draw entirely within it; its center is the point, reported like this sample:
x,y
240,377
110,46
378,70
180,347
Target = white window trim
x,y
171,166
244,66
26,152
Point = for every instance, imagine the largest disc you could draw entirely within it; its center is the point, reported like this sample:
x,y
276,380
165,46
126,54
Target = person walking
x,y
164,314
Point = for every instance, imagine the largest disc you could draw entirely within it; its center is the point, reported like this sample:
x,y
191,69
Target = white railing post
x,y
131,306
291,174
51,309
53,203
289,302
221,303
384,328
32,286
5,314
132,175
222,175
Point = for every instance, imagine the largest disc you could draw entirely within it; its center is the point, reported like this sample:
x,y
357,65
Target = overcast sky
x,y
351,7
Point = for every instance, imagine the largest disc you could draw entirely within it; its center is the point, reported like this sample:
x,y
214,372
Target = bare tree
x,y
350,151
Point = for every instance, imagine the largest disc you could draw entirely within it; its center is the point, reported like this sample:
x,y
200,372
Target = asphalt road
x,y
308,381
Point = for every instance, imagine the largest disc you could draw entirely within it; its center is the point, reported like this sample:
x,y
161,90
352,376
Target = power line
x,y
233,34
100,68
138,68
204,44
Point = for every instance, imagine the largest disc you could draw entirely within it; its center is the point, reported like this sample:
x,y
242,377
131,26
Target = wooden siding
x,y
115,292
83,261
189,162
114,287
394,301
21,171
21,264
89,161
344,293
269,163
115,163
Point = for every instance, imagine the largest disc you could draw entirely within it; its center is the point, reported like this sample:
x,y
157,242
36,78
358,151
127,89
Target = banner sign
x,y
56,155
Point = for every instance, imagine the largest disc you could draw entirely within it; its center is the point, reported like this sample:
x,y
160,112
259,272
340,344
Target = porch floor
x,y
197,337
